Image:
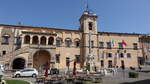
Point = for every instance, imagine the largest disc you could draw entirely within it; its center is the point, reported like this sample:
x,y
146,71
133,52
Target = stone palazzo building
x,y
30,46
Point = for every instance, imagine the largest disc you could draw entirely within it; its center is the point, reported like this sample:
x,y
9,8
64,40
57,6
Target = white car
x,y
79,71
1,67
26,72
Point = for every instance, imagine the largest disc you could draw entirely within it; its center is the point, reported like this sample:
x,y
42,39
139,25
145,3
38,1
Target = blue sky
x,y
114,15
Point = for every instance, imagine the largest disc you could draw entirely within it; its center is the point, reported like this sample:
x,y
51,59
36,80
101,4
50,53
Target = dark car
x,y
53,71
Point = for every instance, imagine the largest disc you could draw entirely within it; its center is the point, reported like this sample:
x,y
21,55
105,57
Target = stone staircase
x,y
11,55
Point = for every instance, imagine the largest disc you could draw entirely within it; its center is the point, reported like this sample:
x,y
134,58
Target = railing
x,y
42,46
14,53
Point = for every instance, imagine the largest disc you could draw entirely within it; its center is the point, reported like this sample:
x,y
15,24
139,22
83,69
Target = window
x,y
43,40
120,45
135,46
68,42
77,58
90,25
5,39
35,40
109,45
122,63
91,44
50,41
4,52
128,55
102,63
121,55
27,39
58,43
67,61
57,58
109,55
77,44
17,41
101,44
109,63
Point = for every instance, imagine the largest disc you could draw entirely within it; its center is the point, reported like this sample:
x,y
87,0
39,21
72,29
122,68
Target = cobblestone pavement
x,y
119,78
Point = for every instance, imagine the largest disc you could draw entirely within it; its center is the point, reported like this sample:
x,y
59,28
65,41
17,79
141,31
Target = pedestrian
x,y
140,68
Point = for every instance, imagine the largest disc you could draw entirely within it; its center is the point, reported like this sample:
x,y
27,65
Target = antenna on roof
x,y
87,9
19,23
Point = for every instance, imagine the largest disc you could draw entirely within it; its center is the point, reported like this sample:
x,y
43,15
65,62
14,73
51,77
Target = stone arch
x,y
40,58
27,39
50,40
35,40
18,63
43,40
59,38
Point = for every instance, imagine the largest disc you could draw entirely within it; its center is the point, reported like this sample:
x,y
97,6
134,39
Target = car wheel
x,y
18,75
34,75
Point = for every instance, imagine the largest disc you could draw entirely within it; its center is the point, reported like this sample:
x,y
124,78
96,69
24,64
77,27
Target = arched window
x,y
90,25
35,40
68,42
77,43
58,42
27,39
50,41
43,40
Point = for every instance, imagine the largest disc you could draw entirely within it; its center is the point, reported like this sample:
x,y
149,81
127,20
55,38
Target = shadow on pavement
x,y
138,82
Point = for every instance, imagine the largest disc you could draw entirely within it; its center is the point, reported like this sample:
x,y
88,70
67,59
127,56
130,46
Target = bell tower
x,y
88,22
88,27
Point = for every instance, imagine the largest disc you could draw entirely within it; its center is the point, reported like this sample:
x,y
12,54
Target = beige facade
x,y
145,45
29,46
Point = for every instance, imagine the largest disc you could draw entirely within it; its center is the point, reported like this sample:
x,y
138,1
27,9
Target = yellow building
x,y
30,46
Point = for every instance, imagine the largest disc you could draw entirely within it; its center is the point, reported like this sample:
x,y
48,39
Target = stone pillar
x,y
31,36
54,41
22,38
47,40
39,38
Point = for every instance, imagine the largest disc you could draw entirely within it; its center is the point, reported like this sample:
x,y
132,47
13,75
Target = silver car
x,y
31,72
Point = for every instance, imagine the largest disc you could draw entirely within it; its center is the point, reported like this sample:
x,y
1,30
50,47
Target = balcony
x,y
42,46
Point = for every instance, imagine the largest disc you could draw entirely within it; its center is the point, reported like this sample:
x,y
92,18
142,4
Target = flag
x,y
112,43
74,68
124,43
46,69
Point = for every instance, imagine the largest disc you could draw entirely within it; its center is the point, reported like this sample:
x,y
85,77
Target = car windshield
x,y
25,70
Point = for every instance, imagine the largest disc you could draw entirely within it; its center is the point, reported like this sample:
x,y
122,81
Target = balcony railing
x,y
42,46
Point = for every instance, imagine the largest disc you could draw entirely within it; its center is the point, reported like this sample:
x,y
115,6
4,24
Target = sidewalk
x,y
121,78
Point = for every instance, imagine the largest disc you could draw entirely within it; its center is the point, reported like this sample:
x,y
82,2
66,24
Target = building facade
x,y
30,46
145,46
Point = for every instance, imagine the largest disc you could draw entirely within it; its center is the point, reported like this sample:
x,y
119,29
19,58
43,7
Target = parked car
x,y
79,71
31,72
1,67
108,71
53,71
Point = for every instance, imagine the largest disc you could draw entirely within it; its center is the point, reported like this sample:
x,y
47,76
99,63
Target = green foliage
x,y
16,82
132,68
133,75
